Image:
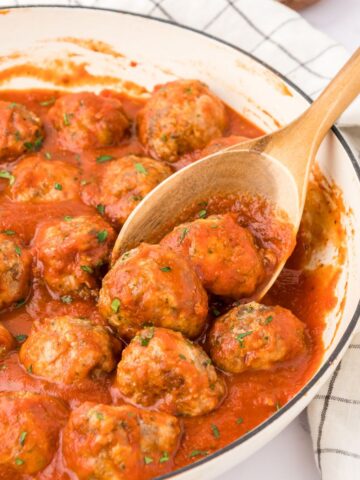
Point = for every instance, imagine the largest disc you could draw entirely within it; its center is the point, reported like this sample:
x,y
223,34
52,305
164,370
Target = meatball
x,y
180,116
222,252
29,429
255,337
70,253
39,180
151,284
6,341
15,269
117,442
67,349
20,130
162,369
85,120
123,183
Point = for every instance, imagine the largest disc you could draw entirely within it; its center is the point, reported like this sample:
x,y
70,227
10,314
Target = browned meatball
x,y
6,341
116,443
222,252
180,116
20,130
123,183
71,251
255,337
15,269
68,349
85,120
29,429
153,285
162,369
38,180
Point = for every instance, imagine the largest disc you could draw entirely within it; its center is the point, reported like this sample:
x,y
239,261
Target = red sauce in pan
x,y
252,396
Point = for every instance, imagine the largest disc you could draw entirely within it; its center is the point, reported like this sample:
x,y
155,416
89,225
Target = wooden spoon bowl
x,y
275,166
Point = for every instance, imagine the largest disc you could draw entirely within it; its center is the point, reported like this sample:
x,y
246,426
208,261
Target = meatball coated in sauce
x,y
123,183
67,349
38,180
180,117
15,269
85,120
70,253
7,342
116,443
29,431
162,369
223,254
153,285
255,337
20,130
213,147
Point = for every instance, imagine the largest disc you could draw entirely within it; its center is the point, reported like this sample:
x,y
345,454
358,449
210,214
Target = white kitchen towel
x,y
283,39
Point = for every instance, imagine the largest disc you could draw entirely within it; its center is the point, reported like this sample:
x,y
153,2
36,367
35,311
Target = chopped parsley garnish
x,y
17,136
99,415
268,320
21,337
48,155
241,336
22,438
20,303
66,299
215,431
8,176
164,137
19,461
29,369
34,146
58,186
115,305
67,119
102,236
139,167
137,198
13,105
165,269
196,453
164,458
146,337
182,356
277,406
215,312
48,103
100,208
86,268
18,250
148,460
104,158
202,214
68,218
184,232
9,232
240,420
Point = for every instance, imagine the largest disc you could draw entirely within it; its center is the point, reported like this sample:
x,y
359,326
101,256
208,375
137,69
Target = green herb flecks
x,y
115,305
100,208
86,269
146,336
148,460
104,158
22,438
197,453
21,337
241,336
165,269
202,214
164,458
66,299
58,186
102,236
215,431
139,167
7,176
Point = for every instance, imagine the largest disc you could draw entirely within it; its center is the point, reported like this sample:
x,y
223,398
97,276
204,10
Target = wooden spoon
x,y
275,166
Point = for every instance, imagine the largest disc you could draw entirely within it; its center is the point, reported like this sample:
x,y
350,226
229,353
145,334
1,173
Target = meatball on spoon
x,y
275,166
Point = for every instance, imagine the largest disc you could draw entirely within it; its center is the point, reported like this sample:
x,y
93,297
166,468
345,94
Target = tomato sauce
x,y
251,396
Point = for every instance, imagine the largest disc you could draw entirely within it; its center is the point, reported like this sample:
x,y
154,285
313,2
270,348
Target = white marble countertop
x,y
290,454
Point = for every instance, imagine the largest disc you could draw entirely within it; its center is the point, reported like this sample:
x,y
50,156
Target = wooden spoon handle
x,y
336,97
